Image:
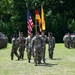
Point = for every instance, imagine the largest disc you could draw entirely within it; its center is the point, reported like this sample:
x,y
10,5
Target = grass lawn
x,y
63,63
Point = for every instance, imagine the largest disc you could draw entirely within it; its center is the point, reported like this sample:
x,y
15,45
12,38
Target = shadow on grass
x,y
20,60
47,65
56,59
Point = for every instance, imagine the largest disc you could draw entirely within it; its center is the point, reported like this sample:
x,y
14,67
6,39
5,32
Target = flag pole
x,y
26,11
35,19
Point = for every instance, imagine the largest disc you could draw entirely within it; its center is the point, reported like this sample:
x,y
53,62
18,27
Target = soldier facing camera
x,y
14,47
51,45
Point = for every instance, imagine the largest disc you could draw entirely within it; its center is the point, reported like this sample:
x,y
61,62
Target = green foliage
x,y
59,16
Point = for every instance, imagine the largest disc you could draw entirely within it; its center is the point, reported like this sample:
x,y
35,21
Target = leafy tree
x,y
59,16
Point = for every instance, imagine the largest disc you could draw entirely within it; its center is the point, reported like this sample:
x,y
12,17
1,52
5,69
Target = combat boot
x,y
35,64
11,58
44,61
18,57
22,56
29,60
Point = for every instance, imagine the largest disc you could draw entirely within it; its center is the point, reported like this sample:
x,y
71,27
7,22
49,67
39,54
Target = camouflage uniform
x,y
3,40
14,48
64,39
51,46
29,48
21,41
73,40
67,40
44,37
37,43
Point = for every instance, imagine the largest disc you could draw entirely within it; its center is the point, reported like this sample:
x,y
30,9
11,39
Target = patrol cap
x,y
37,33
31,32
13,36
43,31
20,33
51,34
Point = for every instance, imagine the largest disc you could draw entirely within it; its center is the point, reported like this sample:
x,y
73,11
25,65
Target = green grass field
x,y
63,63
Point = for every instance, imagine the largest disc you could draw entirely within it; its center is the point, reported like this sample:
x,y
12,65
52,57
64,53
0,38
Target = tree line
x,y
59,16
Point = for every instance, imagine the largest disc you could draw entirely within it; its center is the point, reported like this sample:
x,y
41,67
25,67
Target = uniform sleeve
x,y
18,40
46,39
42,42
64,38
26,42
13,42
32,42
54,42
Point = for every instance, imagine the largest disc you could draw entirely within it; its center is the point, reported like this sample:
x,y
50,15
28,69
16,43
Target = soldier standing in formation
x,y
37,43
73,40
28,46
64,39
51,45
67,40
21,41
35,46
14,47
44,37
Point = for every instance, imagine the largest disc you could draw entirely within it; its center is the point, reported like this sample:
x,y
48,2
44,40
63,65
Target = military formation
x,y
35,46
3,40
69,40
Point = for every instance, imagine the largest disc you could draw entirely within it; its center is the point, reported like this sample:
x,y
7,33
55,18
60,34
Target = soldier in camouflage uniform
x,y
44,37
64,39
73,40
14,48
37,43
72,35
67,40
51,45
28,46
21,41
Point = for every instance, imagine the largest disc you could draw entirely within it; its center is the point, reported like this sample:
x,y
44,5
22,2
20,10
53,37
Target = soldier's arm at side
x,y
46,39
32,42
42,42
26,42
54,42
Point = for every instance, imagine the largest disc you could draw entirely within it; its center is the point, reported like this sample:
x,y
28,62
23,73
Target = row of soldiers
x,y
35,46
69,40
